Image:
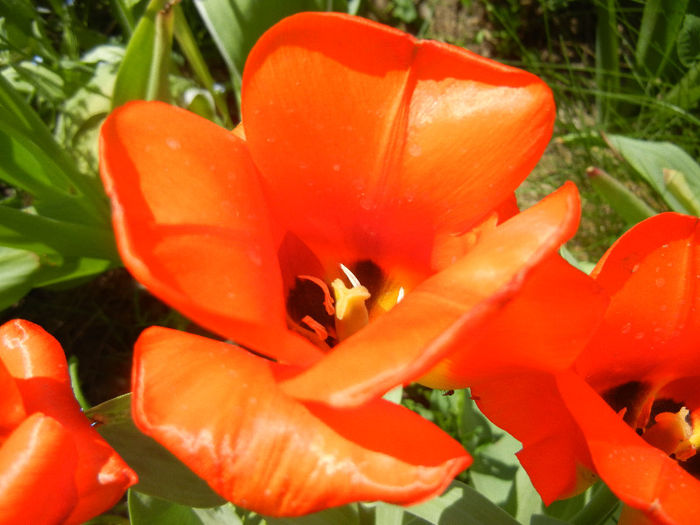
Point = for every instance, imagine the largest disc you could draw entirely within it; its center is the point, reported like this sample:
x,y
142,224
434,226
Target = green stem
x,y
75,383
188,45
602,505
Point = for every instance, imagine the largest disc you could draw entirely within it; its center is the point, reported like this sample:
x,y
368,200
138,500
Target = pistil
x,y
350,309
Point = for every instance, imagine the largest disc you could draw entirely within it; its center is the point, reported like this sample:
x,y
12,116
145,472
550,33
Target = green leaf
x,y
45,236
461,504
689,40
347,515
160,473
607,61
387,514
44,82
78,123
71,271
650,159
17,268
188,45
30,158
143,74
148,510
584,266
619,197
235,25
661,21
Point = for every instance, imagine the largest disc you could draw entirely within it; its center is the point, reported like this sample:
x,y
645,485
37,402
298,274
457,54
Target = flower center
x,y
350,309
327,318
675,433
663,423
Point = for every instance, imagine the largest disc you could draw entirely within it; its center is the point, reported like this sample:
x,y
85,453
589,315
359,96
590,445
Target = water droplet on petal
x,y
172,143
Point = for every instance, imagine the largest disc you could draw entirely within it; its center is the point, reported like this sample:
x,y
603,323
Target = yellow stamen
x,y
350,309
672,434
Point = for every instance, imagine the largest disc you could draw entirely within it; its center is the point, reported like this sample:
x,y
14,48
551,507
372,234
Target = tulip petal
x,y
192,225
440,315
385,141
38,363
37,462
650,329
527,404
544,327
640,475
12,411
219,410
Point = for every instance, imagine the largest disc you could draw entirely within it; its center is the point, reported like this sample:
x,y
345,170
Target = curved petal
x,y
192,225
650,329
441,314
544,327
642,476
528,405
38,363
12,411
372,142
219,410
37,462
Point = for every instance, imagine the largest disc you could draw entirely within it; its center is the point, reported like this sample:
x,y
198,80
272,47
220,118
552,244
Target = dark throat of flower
x,y
664,423
328,314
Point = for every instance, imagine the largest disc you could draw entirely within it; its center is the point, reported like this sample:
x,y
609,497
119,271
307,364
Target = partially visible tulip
x,y
54,468
629,409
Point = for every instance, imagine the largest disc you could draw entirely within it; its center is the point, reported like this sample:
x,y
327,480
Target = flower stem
x,y
601,506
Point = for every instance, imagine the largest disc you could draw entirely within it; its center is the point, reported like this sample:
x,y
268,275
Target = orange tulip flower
x,y
54,468
629,410
371,164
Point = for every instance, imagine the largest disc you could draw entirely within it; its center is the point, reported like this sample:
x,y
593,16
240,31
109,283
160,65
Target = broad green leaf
x,y
143,74
661,21
541,519
148,510
650,159
628,205
689,40
235,25
160,473
347,515
43,235
387,514
71,271
79,122
461,504
44,82
17,268
31,158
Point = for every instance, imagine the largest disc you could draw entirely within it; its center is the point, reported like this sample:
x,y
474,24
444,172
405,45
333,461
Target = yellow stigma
x,y
350,310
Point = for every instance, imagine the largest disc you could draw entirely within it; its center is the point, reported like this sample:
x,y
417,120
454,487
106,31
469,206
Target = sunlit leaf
x,y
148,510
235,25
650,159
461,504
628,205
144,71
16,270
